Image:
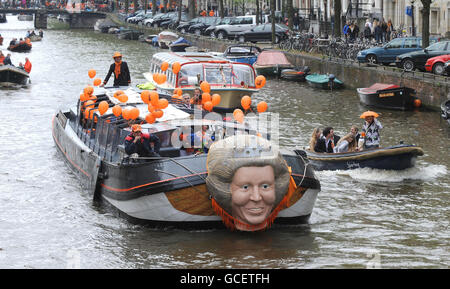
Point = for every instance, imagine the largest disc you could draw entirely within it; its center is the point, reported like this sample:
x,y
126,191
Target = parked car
x,y
199,28
417,59
387,53
238,24
138,17
436,64
172,22
447,68
148,22
142,20
211,29
184,27
159,19
263,32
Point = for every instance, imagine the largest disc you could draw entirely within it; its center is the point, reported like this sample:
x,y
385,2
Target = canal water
x,y
362,219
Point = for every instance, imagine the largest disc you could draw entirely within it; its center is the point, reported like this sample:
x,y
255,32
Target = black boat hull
x,y
392,158
10,75
398,98
23,47
445,111
166,192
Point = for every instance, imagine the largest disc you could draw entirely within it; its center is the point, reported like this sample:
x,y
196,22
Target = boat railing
x,y
102,134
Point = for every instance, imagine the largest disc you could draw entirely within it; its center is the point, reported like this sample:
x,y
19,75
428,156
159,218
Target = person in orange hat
x,y
138,142
371,130
120,70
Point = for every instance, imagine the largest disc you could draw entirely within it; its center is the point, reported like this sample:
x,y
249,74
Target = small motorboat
x,y
271,63
397,157
445,110
169,190
35,38
180,45
324,81
129,34
23,46
11,75
242,53
165,38
389,96
296,74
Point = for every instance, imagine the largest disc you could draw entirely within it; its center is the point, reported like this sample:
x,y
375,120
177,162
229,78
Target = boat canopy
x,y
380,86
272,57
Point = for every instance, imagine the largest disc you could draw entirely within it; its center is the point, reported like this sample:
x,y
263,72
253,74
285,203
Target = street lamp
x,y
413,29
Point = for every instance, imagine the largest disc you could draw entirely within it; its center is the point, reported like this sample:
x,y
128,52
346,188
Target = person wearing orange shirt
x,y
27,65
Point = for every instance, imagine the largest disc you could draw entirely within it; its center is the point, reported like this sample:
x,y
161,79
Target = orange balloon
x,y
208,106
215,99
89,104
155,77
162,78
205,87
123,98
134,113
262,106
164,66
89,113
88,90
92,73
154,98
163,103
117,110
417,103
158,113
260,81
103,107
151,108
178,91
97,82
126,113
238,115
149,118
206,97
176,66
145,96
117,93
246,101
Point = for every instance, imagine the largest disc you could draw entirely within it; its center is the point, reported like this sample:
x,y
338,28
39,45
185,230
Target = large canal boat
x,y
230,80
169,190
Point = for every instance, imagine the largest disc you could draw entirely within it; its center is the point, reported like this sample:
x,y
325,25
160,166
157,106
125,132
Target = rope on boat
x,y
174,175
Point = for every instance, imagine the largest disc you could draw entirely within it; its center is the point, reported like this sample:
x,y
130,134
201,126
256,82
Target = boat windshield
x,y
216,73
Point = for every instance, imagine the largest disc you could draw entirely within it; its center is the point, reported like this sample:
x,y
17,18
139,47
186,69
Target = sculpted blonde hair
x,y
226,156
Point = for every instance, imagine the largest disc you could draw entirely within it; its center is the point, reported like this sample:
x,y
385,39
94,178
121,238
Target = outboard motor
x,y
306,69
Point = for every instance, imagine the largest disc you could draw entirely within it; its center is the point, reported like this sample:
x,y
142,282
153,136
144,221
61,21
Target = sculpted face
x,y
252,194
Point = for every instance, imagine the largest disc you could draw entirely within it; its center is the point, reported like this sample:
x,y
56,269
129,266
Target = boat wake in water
x,y
420,173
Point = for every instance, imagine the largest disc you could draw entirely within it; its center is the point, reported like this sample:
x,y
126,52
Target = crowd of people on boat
x,y
325,141
6,60
31,33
